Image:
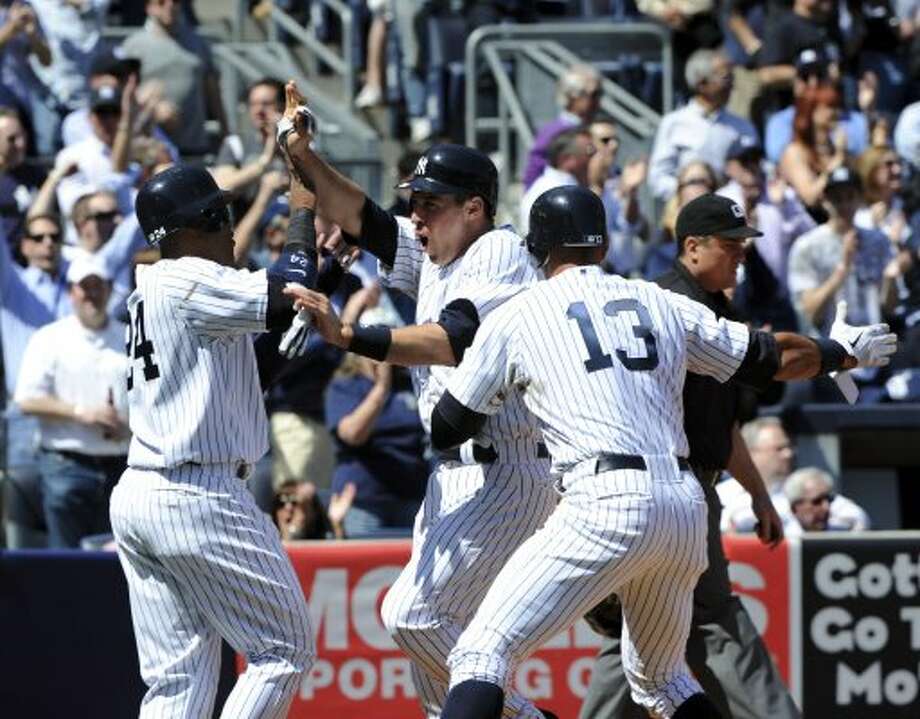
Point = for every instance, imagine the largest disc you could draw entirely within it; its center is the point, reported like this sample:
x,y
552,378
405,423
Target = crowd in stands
x,y
806,113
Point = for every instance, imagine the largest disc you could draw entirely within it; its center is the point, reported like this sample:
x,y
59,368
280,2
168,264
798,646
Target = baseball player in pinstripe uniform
x,y
484,498
601,362
202,561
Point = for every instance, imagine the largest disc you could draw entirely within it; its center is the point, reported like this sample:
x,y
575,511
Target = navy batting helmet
x,y
181,197
454,170
570,216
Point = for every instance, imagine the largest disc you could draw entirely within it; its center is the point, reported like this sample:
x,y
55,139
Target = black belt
x,y
484,455
95,460
612,462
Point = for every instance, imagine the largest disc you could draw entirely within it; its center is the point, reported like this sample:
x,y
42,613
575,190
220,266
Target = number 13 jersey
x,y
600,361
193,384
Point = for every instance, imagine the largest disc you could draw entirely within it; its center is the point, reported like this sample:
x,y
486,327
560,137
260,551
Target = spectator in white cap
x,y
73,381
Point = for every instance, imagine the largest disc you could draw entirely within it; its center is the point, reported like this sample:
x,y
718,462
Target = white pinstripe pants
x,y
472,520
203,562
641,534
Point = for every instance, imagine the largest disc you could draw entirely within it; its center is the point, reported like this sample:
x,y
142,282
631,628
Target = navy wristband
x,y
833,355
373,341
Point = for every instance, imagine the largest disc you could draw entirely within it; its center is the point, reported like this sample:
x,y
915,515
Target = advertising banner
x,y
360,672
860,628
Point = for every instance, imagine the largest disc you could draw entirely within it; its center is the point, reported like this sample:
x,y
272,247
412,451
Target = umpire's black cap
x,y
569,216
714,215
181,196
453,170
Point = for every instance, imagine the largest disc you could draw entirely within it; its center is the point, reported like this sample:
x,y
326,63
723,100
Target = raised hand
x,y
871,345
325,319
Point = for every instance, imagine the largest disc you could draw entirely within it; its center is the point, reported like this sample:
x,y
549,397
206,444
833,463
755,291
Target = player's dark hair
x,y
578,255
407,162
460,197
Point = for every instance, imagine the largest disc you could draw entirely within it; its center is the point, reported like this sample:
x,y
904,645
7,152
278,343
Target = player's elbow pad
x,y
760,363
460,320
452,423
379,233
280,309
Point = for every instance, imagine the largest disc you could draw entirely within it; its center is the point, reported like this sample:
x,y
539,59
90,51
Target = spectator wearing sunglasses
x,y
814,506
579,95
88,164
32,296
299,513
618,189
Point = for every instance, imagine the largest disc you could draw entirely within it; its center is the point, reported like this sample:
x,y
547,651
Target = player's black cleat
x,y
547,713
698,706
474,699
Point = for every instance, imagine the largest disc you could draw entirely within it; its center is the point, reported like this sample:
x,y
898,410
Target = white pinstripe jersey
x,y
495,268
193,384
600,361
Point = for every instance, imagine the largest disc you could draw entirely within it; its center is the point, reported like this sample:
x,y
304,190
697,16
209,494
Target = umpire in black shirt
x,y
724,649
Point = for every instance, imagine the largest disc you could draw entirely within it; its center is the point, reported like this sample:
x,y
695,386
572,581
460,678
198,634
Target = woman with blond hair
x,y
880,170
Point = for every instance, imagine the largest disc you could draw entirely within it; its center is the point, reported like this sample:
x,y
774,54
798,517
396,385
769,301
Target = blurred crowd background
x,y
806,112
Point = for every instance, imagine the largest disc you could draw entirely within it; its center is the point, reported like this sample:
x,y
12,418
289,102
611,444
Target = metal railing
x,y
548,49
342,63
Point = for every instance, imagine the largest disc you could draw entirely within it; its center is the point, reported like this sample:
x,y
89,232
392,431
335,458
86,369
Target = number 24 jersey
x,y
193,384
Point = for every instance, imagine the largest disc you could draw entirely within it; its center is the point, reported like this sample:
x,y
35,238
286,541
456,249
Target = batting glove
x,y
294,341
871,345
286,126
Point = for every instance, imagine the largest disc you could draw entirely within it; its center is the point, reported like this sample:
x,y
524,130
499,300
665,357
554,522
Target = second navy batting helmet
x,y
453,170
181,197
570,216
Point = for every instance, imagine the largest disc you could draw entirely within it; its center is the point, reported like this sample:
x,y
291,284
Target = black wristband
x,y
833,355
301,233
373,341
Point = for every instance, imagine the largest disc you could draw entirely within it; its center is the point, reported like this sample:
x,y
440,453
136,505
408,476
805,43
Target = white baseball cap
x,y
84,266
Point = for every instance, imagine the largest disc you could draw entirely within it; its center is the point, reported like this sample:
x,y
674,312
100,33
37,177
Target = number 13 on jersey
x,y
139,347
597,358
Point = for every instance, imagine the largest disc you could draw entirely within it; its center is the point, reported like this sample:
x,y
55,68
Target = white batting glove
x,y
286,126
871,345
294,342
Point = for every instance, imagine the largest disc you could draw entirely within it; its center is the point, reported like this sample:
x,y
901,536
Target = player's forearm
x,y
426,344
338,199
742,468
801,358
48,408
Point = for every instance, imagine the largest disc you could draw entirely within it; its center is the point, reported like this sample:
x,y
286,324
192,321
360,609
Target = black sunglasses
x,y
103,216
39,236
828,497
